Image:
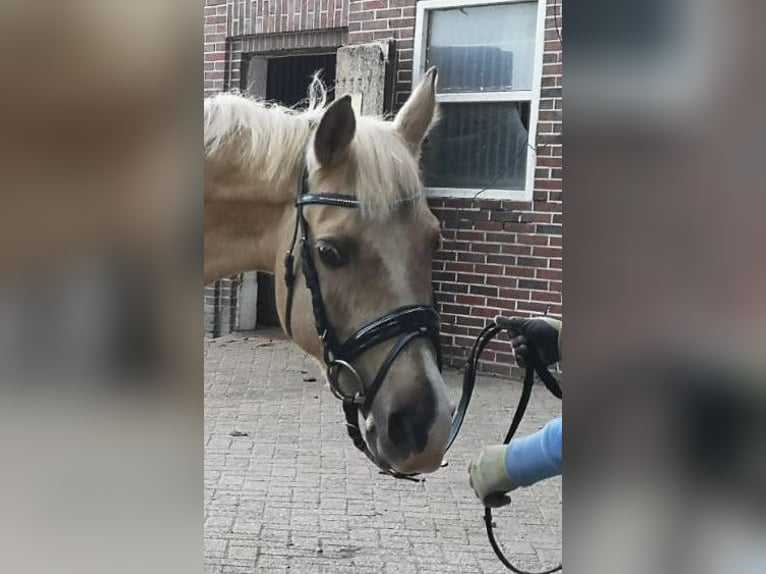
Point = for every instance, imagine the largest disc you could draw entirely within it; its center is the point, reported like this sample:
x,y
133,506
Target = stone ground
x,y
286,491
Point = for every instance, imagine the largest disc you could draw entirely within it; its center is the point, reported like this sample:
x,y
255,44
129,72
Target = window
x,y
489,56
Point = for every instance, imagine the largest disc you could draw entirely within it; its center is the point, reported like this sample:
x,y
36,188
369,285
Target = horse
x,y
271,172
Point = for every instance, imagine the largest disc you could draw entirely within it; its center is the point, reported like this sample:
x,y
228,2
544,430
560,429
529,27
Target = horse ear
x,y
418,114
335,132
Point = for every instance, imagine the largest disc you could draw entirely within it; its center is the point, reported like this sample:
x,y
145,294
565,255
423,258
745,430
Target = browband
x,y
335,199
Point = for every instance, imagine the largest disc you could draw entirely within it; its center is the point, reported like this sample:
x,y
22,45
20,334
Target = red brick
x,y
360,37
532,239
547,184
470,278
546,297
489,225
531,306
552,69
402,23
544,205
554,274
471,257
546,251
384,34
388,13
374,25
470,235
515,294
535,218
502,281
489,269
517,226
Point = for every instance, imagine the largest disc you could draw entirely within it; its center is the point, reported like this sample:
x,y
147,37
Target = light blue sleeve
x,y
535,457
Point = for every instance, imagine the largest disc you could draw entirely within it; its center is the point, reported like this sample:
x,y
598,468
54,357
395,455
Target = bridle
x,y
405,324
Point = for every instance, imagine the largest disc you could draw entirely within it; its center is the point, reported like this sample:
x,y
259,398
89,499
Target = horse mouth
x,y
370,436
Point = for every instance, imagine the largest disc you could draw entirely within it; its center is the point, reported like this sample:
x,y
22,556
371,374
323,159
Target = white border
x,y
418,63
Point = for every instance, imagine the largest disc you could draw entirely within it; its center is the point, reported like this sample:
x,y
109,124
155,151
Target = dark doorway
x,y
288,77
287,81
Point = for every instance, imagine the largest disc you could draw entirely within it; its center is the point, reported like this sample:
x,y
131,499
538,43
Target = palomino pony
x,y
368,260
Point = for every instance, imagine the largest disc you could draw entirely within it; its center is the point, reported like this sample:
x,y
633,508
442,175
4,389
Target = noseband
x,y
405,324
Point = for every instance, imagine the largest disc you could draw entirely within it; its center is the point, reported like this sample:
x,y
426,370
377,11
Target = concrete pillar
x,y
361,72
247,312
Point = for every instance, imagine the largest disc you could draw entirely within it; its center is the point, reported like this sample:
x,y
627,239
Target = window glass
x,y
478,145
483,48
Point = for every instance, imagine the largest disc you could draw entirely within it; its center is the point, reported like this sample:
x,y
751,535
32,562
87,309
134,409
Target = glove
x,y
488,477
542,332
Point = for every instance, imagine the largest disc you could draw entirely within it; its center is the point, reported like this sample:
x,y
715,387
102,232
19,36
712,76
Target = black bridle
x,y
403,323
533,365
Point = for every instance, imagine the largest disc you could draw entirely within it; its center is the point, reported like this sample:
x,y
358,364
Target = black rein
x,y
534,365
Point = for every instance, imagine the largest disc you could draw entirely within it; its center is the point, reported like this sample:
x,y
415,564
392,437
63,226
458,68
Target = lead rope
x,y
534,365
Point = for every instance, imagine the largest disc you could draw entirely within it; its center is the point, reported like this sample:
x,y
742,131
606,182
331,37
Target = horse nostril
x,y
408,430
397,429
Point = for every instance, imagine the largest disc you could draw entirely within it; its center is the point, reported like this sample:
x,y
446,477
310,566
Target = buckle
x,y
334,370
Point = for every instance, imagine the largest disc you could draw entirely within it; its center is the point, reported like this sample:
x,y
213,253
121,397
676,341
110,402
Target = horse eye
x,y
330,254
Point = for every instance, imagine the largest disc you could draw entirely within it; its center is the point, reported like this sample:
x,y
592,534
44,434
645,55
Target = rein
x,y
406,324
534,365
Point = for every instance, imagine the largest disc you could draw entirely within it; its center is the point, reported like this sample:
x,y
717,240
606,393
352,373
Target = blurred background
x,y
665,281
100,283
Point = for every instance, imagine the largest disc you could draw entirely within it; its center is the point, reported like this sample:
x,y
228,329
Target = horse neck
x,y
243,230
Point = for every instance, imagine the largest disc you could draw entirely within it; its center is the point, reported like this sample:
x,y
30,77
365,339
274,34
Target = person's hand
x,y
488,477
541,332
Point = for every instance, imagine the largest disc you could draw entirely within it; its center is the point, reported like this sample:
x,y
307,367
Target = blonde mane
x,y
268,142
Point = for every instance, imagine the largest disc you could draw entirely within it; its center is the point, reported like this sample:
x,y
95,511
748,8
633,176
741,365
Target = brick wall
x,y
497,256
214,44
220,307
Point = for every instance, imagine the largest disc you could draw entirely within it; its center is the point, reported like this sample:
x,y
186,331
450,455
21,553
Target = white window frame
x,y
532,96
